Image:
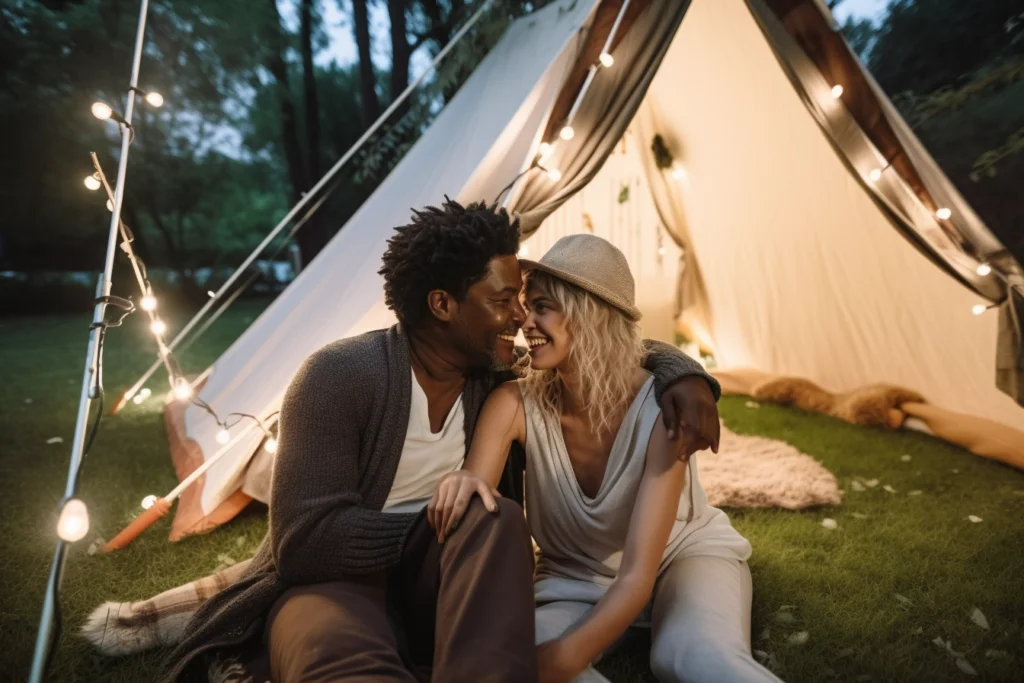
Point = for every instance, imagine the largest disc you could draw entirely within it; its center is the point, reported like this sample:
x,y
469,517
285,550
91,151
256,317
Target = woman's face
x,y
546,329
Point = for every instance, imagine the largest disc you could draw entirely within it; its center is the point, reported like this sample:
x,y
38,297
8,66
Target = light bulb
x,y
567,133
101,111
979,309
92,182
223,436
554,174
875,175
210,293
606,59
110,206
984,269
271,445
73,523
138,399
678,172
837,91
524,251
545,150
182,389
155,99
943,214
145,393
158,326
661,251
148,303
148,501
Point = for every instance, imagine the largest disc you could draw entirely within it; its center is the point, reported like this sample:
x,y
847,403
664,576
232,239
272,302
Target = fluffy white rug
x,y
756,472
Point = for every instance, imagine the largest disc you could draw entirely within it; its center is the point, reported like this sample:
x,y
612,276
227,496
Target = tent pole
x,y
306,199
48,633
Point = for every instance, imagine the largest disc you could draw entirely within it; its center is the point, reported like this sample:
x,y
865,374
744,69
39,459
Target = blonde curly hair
x,y
605,353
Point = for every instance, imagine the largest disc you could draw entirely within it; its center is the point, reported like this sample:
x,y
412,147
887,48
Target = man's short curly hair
x,y
445,248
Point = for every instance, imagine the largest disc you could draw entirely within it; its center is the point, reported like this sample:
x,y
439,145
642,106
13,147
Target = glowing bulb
x,y
979,309
545,150
271,445
155,99
875,175
943,214
182,389
210,293
223,436
148,501
110,206
145,393
92,182
101,111
984,269
606,59
554,174
158,326
138,399
678,172
148,303
567,133
524,251
661,251
837,91
73,523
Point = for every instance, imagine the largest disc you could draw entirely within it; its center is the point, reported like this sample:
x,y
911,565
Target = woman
x,y
624,531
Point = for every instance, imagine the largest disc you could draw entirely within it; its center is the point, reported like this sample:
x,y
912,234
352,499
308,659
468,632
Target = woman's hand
x,y
555,663
452,498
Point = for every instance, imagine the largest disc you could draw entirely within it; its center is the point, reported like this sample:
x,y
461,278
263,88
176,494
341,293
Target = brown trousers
x,y
461,612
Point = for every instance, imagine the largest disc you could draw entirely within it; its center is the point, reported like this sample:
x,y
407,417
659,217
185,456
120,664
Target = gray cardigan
x,y
342,427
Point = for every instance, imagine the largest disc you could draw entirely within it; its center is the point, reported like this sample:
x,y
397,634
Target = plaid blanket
x,y
121,628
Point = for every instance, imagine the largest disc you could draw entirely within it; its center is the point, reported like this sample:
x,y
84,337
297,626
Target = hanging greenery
x,y
662,156
624,194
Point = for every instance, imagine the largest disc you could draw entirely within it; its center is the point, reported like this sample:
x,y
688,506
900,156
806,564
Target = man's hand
x,y
452,497
555,663
690,413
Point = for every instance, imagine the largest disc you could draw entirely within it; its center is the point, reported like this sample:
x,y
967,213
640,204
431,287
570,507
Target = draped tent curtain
x,y
692,306
604,115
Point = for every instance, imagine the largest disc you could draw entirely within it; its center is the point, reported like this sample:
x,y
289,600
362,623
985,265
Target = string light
x,y
271,445
155,99
148,501
544,151
554,174
223,436
567,133
102,111
182,389
606,60
943,214
110,206
73,523
524,251
661,251
837,91
875,174
141,396
158,327
92,182
678,172
984,269
148,303
979,309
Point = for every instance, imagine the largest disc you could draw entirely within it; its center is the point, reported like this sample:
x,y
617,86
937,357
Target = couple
x,y
361,578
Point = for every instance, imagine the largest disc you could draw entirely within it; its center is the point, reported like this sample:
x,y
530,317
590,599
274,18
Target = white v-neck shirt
x,y
426,457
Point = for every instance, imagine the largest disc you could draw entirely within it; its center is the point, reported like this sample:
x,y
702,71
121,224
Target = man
x,y
351,583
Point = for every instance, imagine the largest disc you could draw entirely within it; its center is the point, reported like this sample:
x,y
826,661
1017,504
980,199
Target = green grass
x,y
842,582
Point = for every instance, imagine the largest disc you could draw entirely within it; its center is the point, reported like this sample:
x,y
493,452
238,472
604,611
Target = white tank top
x,y
582,538
426,457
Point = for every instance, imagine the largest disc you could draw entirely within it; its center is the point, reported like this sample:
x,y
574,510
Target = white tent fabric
x,y
476,145
805,275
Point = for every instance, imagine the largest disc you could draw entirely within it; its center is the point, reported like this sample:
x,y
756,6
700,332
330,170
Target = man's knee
x,y
507,520
696,659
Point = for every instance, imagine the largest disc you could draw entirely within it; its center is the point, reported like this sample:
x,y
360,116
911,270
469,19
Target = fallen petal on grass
x,y
765,634
857,486
903,599
871,483
55,439
753,404
905,458
830,523
915,492
975,519
785,618
978,617
998,654
859,515
799,638
889,488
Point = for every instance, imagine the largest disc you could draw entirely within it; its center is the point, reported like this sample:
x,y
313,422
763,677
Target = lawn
x,y
839,586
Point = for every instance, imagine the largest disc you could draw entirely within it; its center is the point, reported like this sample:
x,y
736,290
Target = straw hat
x,y
593,264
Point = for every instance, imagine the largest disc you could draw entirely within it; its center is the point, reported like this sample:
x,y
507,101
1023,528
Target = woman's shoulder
x,y
506,395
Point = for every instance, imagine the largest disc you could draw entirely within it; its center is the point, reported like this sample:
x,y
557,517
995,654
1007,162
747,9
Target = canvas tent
x,y
796,231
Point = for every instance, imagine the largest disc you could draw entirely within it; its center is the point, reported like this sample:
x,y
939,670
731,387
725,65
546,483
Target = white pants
x,y
700,624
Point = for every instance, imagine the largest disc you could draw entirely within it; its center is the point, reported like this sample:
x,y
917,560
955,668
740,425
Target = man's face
x,y
487,319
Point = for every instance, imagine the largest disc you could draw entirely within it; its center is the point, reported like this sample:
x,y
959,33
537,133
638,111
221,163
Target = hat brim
x,y
609,297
